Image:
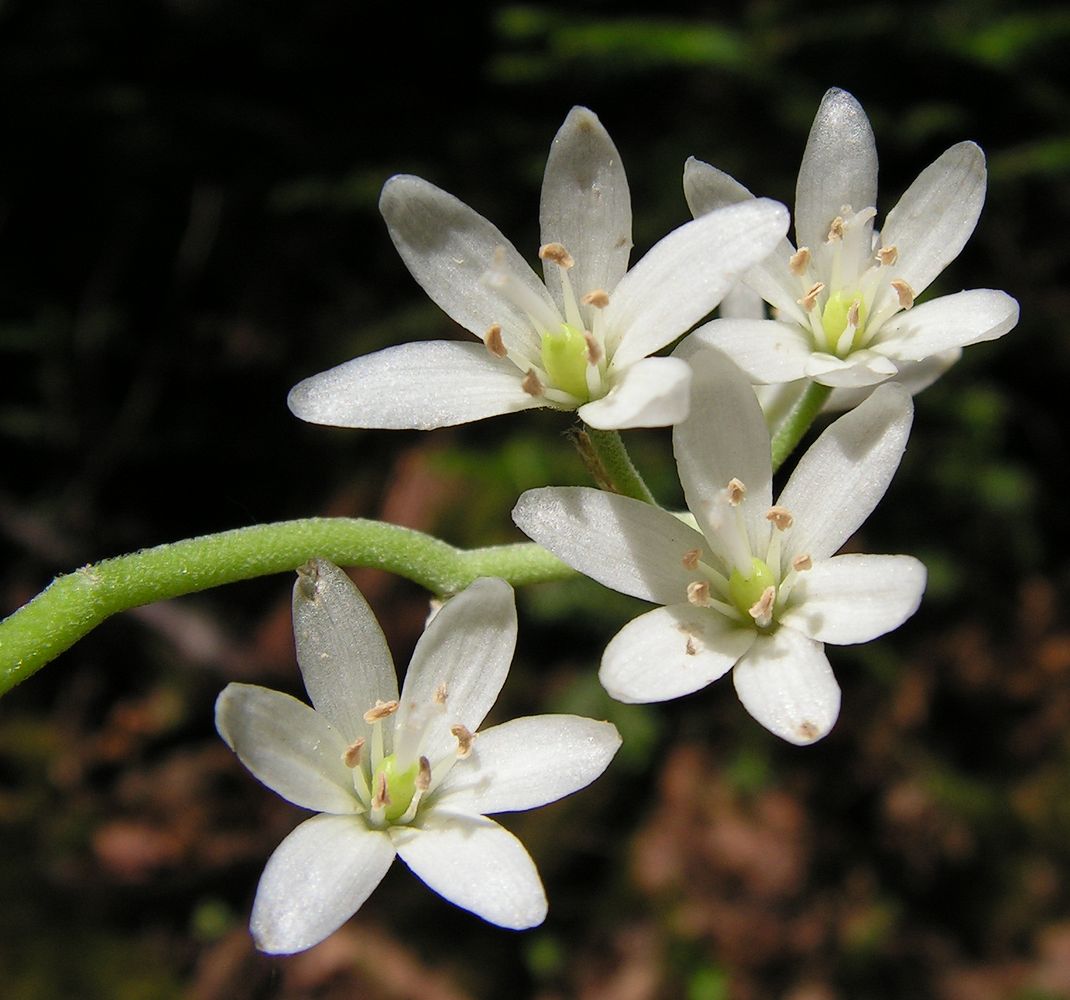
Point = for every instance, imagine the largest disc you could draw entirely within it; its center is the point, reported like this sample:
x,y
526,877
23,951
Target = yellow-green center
x,y
564,356
400,786
834,320
746,591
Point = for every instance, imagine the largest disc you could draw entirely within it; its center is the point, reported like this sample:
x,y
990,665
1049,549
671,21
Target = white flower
x,y
407,776
580,340
758,586
844,300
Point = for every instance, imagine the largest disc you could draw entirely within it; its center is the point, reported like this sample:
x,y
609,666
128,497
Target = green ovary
x,y
564,356
400,785
834,320
746,591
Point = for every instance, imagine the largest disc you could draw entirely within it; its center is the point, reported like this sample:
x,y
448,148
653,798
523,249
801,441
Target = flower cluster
x,y
742,583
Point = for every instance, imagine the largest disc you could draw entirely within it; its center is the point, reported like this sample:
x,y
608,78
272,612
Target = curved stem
x,y
797,422
614,469
74,604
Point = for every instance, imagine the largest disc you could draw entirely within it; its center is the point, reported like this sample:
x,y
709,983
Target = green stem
x,y
615,465
797,421
77,602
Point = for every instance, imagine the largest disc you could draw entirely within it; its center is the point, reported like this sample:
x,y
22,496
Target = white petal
x,y
947,322
586,205
670,652
844,474
622,543
288,746
465,651
936,215
839,168
855,598
786,683
768,351
343,655
448,247
862,368
742,302
725,437
527,763
420,386
707,189
318,877
684,276
654,392
912,376
477,865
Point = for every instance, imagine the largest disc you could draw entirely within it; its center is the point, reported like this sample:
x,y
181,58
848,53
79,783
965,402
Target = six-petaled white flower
x,y
757,586
844,300
401,775
581,339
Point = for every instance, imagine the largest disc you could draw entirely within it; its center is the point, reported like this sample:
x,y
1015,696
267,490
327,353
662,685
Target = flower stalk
x,y
797,422
614,467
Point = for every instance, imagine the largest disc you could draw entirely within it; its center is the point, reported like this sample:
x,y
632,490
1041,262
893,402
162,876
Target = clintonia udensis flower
x,y
844,300
758,586
581,339
401,775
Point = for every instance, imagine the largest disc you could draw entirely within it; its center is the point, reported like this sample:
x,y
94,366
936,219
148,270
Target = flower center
x,y
399,786
844,313
748,591
565,359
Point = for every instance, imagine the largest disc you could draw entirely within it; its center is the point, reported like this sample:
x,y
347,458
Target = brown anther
x,y
465,739
809,300
698,593
382,710
440,694
904,292
353,753
423,775
689,647
762,609
557,253
807,730
835,229
594,352
598,297
493,339
531,384
852,314
691,557
735,491
780,517
799,261
381,798
888,255
802,563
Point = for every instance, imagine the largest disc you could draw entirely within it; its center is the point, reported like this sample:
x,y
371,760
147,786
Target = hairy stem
x,y
614,465
796,423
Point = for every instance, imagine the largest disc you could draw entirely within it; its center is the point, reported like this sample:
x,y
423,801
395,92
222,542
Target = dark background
x,y
188,226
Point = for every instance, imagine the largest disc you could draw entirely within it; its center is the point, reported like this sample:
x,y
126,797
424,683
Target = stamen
x,y
780,517
690,559
465,738
594,352
799,261
735,491
904,292
762,609
809,300
440,694
493,339
802,563
852,315
353,752
381,799
835,230
698,593
888,255
531,384
382,710
557,253
599,298
423,775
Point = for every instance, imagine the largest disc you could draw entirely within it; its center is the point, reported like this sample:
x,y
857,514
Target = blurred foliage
x,y
188,225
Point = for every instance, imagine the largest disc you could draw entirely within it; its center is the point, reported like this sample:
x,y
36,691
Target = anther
x,y
809,300
531,384
690,559
423,775
888,255
852,315
802,563
698,593
799,261
780,517
353,752
599,298
557,253
440,694
465,738
382,710
762,609
835,230
381,799
493,339
735,491
594,352
904,292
